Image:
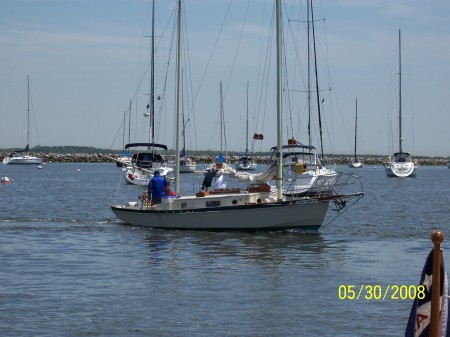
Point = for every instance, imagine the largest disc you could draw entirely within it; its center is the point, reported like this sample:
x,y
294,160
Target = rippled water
x,y
69,268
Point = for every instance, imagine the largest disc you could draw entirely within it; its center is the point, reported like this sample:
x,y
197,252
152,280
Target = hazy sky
x,y
88,58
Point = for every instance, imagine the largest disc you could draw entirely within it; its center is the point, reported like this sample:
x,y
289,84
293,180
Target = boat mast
x,y
399,92
356,126
152,78
309,73
28,113
317,81
183,132
279,104
221,117
123,132
223,140
246,133
129,125
178,102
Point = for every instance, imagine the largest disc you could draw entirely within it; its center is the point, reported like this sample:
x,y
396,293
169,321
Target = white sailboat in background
x,y
246,162
356,163
401,164
305,174
187,164
145,162
256,207
23,156
124,158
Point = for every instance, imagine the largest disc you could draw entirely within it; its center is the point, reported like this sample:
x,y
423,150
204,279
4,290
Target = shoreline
x,y
109,158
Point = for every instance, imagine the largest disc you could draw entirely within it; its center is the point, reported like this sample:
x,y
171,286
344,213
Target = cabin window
x,y
234,202
214,203
183,205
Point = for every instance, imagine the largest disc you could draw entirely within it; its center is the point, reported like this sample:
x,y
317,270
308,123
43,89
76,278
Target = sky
x,y
88,59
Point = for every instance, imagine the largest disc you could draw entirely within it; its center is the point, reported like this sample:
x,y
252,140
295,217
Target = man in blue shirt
x,y
156,187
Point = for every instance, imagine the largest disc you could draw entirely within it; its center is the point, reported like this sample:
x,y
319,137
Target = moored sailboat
x,y
187,164
401,164
145,163
255,208
246,162
305,172
356,163
23,156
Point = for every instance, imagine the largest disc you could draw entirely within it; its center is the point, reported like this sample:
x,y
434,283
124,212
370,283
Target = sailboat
x,y
124,158
23,156
401,164
305,174
221,164
187,164
356,163
246,162
149,157
255,208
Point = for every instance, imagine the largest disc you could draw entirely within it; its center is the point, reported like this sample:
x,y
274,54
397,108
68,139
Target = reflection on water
x,y
269,249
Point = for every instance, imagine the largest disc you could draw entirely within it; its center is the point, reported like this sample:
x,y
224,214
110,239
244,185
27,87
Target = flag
x,y
258,136
419,318
220,158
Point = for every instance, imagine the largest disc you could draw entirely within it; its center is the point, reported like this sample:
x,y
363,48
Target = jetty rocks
x,y
206,159
70,157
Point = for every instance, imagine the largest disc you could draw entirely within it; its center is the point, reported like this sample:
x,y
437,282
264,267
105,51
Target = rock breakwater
x,y
110,158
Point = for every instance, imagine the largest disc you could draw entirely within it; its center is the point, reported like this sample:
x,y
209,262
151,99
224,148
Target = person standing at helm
x,y
156,188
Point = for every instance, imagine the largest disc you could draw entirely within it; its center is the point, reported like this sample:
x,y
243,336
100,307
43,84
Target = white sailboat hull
x,y
202,213
187,165
123,161
22,160
137,176
401,170
356,165
311,182
246,167
187,168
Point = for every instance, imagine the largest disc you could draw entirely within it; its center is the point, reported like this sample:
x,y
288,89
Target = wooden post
x,y
437,238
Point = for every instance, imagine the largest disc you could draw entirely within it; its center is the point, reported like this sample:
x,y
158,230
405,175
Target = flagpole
x,y
437,238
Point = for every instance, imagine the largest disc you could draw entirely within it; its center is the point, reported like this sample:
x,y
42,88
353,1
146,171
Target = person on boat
x,y
210,174
156,188
167,190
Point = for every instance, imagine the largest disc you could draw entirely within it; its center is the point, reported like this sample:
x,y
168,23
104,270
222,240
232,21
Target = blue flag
x,y
419,318
220,158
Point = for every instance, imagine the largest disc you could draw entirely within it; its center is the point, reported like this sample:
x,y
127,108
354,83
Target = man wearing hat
x,y
156,187
207,181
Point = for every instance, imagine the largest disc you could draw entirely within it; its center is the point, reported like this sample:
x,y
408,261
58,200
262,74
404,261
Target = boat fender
x,y
299,168
6,180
